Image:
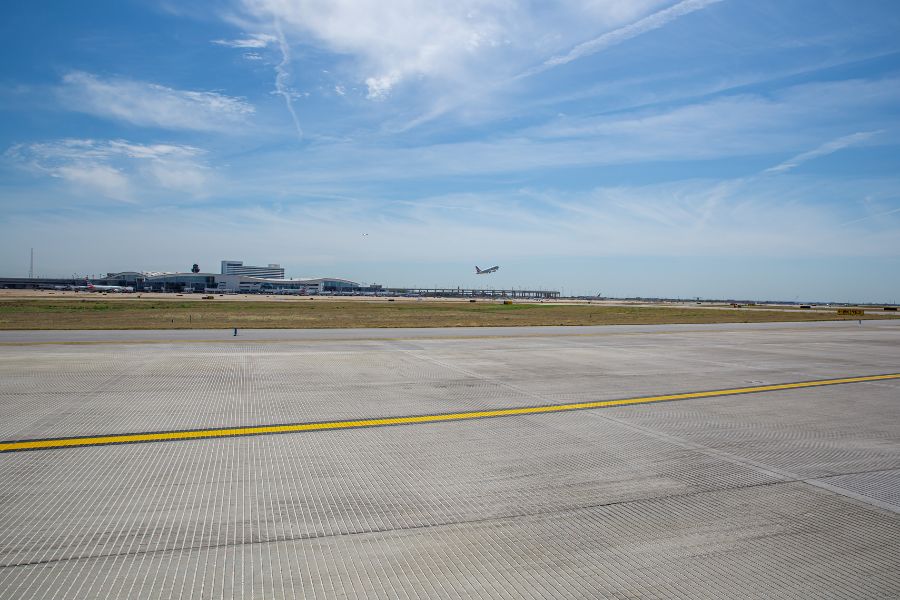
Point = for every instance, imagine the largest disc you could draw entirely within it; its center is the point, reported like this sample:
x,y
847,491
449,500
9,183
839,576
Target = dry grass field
x,y
280,313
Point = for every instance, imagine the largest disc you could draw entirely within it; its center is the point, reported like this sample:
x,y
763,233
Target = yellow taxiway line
x,y
162,436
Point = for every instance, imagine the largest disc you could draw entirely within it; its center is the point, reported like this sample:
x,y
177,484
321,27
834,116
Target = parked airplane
x,y
493,269
90,287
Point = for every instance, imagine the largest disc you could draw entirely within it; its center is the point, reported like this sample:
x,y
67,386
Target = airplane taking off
x,y
493,269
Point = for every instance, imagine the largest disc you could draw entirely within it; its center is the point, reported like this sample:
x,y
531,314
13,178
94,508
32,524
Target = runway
x,y
695,461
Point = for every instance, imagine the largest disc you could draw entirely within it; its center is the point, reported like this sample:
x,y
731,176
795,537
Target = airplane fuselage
x,y
122,289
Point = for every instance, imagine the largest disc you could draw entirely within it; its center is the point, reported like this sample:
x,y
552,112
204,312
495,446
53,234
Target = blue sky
x,y
715,148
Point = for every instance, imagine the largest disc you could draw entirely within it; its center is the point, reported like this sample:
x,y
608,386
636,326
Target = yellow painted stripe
x,y
379,422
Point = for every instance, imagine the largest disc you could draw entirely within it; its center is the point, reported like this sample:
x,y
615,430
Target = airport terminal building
x,y
237,267
234,278
238,284
237,278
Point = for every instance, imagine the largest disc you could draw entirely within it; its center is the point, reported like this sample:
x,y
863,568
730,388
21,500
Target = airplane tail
x,y
477,270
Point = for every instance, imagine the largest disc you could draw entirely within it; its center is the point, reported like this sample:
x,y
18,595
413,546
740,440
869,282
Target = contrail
x,y
875,216
282,75
617,36
826,148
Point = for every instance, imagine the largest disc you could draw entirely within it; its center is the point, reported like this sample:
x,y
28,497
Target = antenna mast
x,y
31,266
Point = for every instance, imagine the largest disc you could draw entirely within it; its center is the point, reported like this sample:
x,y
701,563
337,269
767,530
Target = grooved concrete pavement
x,y
789,494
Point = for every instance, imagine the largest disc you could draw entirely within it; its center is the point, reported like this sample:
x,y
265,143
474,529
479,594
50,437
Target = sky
x,y
694,148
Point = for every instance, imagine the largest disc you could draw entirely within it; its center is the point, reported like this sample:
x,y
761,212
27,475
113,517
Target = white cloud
x,y
446,55
117,169
151,151
392,40
253,40
380,87
448,43
106,180
152,105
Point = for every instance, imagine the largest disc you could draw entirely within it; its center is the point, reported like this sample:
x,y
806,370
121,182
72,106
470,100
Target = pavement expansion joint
x,y
784,475
502,518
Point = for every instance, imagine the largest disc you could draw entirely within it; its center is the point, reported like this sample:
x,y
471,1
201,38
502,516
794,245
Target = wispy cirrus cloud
x,y
445,56
116,169
252,40
152,105
445,44
779,123
771,218
743,123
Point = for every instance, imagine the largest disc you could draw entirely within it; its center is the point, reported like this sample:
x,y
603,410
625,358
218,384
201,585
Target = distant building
x,y
237,267
214,282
